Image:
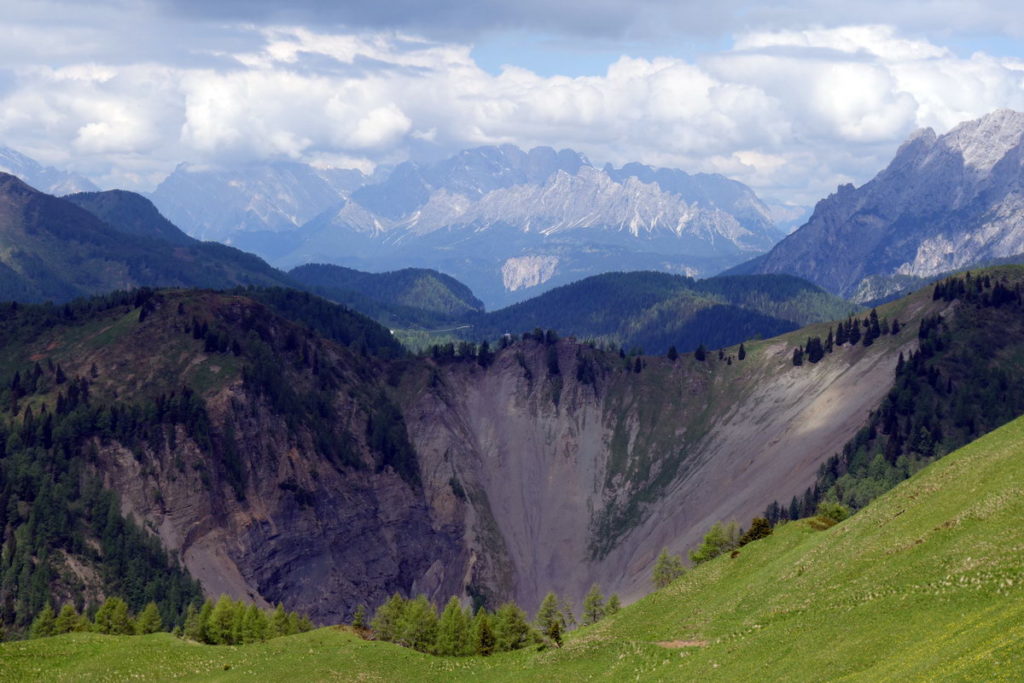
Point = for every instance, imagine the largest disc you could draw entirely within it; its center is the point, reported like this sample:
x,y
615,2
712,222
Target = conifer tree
x,y
874,328
548,613
742,352
452,630
593,606
667,569
293,624
279,622
614,604
760,527
149,620
255,625
568,618
113,618
418,626
359,617
673,353
67,620
238,623
511,631
701,353
841,334
220,630
554,633
853,329
45,623
386,620
483,633
83,625
719,539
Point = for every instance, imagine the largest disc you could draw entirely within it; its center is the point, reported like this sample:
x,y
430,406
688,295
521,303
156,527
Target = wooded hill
x,y
408,298
654,311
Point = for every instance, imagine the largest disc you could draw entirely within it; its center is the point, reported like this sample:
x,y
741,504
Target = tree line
x,y
458,631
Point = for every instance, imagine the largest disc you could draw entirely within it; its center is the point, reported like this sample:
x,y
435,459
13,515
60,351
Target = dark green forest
x,y
51,505
408,298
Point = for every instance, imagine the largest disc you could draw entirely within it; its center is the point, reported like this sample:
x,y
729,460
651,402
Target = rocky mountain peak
x,y
943,203
982,143
44,178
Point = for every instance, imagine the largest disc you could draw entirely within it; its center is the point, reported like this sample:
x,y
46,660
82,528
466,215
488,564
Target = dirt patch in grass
x,y
678,644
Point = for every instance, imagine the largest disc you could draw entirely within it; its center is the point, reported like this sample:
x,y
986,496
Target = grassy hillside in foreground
x,y
927,583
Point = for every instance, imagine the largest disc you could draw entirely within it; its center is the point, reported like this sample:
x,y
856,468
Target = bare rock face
x,y
520,272
944,202
584,475
319,538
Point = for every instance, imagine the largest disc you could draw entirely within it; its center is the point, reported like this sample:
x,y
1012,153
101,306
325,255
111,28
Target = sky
x,y
792,99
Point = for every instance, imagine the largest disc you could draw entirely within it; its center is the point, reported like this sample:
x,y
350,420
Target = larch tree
x,y
667,569
452,631
149,620
593,606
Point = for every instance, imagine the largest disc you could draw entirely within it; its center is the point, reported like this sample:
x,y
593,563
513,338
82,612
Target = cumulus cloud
x,y
791,112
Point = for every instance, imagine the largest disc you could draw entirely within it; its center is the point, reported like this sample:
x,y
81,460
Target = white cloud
x,y
791,112
877,40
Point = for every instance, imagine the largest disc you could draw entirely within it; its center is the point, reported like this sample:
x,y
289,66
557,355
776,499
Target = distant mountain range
x,y
943,203
44,178
511,224
59,248
506,222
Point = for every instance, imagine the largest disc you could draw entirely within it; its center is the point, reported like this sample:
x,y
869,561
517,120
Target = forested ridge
x,y
53,506
58,249
63,539
411,297
964,380
653,311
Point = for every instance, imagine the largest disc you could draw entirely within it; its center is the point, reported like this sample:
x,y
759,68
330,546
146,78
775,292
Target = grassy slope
x,y
926,583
